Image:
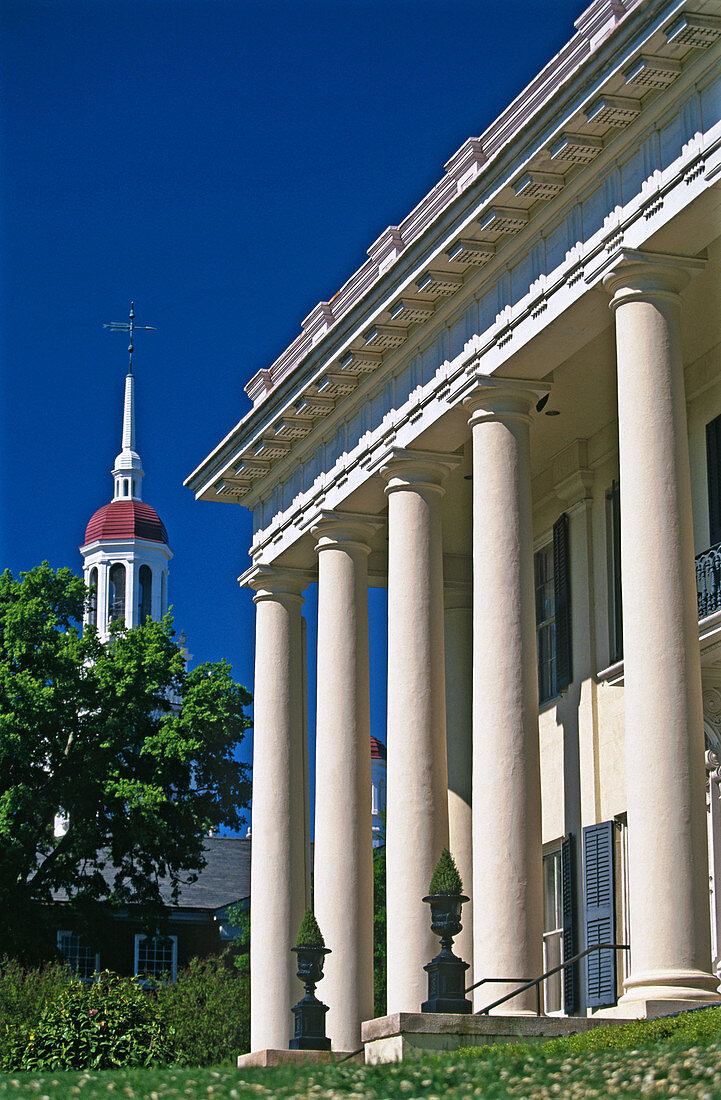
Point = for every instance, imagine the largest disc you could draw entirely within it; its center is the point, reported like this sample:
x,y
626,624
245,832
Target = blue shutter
x,y
570,979
598,893
562,602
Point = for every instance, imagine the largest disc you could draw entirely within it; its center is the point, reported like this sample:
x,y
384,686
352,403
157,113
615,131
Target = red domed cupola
x,y
378,749
126,519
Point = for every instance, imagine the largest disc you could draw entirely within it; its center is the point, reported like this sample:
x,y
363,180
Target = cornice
x,y
571,134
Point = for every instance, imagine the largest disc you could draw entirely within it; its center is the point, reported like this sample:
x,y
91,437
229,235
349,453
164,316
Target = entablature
x,y
556,195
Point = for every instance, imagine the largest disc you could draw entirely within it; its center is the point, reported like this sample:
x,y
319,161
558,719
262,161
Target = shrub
x,y
208,1010
309,934
23,995
446,878
110,1023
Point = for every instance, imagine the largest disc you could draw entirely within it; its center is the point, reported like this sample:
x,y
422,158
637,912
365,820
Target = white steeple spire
x,y
128,469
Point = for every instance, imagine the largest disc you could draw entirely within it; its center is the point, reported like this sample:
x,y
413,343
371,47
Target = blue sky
x,y
226,164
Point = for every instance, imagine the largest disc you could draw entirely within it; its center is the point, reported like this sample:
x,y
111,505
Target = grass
x,y
678,1057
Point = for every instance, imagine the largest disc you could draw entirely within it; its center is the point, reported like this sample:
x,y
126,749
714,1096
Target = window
x,y
713,471
553,613
613,567
156,957
77,952
116,592
93,598
145,593
552,929
125,486
559,928
623,916
545,623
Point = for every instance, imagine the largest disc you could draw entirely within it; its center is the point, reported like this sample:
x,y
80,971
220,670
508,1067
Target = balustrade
x,y
708,581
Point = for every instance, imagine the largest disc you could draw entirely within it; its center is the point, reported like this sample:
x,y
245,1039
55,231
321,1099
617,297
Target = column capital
x,y
344,530
272,582
406,469
632,275
503,398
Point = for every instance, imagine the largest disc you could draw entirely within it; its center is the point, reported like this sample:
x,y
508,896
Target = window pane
x,y
78,953
155,957
551,958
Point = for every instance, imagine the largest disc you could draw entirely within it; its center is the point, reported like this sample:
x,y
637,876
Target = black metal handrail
x,y
529,981
542,977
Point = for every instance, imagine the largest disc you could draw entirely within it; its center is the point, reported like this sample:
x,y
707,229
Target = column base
x,y
268,1058
662,992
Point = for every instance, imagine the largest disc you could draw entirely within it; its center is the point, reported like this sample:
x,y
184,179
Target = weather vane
x,y
130,327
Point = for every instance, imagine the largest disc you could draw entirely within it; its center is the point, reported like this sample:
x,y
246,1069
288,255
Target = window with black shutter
x,y
553,613
713,469
568,897
562,596
559,938
599,905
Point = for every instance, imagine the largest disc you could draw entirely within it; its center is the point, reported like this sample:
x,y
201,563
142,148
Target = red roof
x,y
126,519
378,749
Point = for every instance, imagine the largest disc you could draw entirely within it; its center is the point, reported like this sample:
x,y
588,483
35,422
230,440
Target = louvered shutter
x,y
562,596
713,467
570,977
598,891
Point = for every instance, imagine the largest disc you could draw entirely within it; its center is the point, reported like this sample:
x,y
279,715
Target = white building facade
x,y
511,417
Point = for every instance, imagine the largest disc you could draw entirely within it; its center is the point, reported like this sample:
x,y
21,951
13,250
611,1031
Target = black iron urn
x,y
446,973
310,1012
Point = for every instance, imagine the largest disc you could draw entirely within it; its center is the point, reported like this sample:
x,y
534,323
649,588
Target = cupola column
x,y
343,855
278,866
507,854
668,868
417,818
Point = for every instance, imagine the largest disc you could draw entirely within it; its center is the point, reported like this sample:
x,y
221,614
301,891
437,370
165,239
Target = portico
x,y
455,426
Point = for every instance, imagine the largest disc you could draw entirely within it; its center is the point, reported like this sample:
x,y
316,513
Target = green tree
x,y
379,930
89,728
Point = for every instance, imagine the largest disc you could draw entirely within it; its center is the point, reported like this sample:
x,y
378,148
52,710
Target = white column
x,y
507,857
458,630
277,884
131,592
343,856
668,868
417,816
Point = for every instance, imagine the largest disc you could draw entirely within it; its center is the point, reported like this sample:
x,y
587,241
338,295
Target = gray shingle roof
x,y
224,879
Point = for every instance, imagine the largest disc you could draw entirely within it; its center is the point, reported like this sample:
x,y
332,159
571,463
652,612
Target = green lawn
x,y
666,1058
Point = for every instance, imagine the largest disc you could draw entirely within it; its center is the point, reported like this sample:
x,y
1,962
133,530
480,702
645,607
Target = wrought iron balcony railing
x,y
708,581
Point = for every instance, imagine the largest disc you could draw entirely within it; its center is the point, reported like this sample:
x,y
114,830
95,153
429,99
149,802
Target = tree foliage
x,y
137,752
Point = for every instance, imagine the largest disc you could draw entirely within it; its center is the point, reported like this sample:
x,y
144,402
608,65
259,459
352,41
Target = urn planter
x,y
446,972
309,1012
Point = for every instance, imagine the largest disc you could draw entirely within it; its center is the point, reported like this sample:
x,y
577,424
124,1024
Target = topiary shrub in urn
x,y
446,972
310,1012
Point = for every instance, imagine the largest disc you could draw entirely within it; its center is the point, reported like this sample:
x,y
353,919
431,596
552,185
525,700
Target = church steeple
x,y
126,552
128,469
